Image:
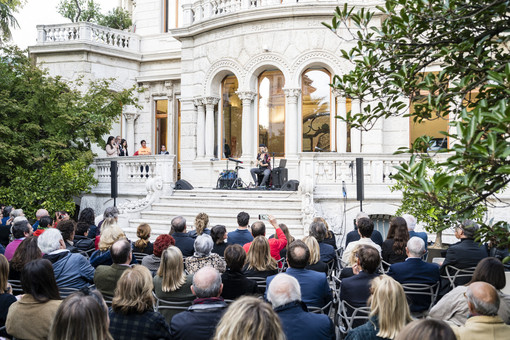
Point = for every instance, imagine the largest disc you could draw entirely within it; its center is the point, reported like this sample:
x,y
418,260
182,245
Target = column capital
x,y
292,92
169,86
198,101
131,116
211,100
246,95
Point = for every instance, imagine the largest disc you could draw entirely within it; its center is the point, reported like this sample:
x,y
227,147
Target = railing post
x,y
84,31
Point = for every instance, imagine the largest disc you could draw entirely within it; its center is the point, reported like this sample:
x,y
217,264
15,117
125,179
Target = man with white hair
x,y
284,293
353,235
484,323
411,225
414,270
39,213
72,270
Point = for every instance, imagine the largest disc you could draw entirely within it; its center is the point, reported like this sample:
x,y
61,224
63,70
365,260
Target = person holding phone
x,y
263,166
275,244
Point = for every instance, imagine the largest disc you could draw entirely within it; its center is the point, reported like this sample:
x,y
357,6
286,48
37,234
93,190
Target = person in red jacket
x,y
275,244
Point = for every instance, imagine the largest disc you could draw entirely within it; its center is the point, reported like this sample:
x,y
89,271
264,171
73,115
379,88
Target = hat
x,y
262,145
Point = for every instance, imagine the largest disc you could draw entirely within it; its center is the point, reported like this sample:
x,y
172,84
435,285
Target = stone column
x,y
209,125
171,131
200,127
355,133
341,126
131,115
292,139
248,130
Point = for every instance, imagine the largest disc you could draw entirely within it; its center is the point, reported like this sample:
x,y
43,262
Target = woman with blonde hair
x,y
201,224
171,282
389,311
81,316
249,318
132,315
259,261
314,263
109,236
143,245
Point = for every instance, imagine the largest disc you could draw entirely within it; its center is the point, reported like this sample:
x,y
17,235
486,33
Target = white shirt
x,y
353,245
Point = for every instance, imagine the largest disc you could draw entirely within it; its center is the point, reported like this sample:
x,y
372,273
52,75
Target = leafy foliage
x,y
468,42
90,11
47,127
7,19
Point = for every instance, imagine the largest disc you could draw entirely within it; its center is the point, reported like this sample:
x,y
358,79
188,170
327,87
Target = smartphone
x,y
263,217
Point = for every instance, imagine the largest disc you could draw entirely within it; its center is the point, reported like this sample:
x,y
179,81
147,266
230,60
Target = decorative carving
x,y
223,64
269,58
248,96
169,89
154,187
198,101
147,92
131,116
292,94
211,100
324,57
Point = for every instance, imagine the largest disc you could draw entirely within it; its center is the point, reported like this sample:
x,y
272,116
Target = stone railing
x,y
134,173
86,32
195,11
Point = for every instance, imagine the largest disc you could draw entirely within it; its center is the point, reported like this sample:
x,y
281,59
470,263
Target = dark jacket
x,y
389,254
83,243
327,252
71,270
299,324
147,326
106,277
149,249
220,248
318,267
414,270
354,236
199,321
355,290
368,331
235,284
185,243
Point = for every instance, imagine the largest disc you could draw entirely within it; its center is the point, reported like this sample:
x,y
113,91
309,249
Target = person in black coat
x,y
394,248
219,235
235,283
353,235
183,240
464,254
81,240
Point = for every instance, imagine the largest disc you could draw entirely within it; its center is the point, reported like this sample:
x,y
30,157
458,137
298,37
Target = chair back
x,y
351,317
16,287
169,308
427,291
261,283
457,276
139,256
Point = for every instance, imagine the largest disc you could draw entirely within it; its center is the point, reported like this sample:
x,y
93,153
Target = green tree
x,y
7,19
117,18
468,41
79,10
47,127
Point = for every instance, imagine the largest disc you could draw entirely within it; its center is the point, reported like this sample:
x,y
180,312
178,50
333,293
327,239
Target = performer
x,y
264,166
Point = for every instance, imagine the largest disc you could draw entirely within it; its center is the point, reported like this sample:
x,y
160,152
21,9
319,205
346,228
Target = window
x,y
161,124
271,115
316,98
232,110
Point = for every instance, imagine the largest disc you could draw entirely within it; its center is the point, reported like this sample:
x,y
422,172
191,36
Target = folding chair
x,y
261,283
16,287
420,289
169,308
139,256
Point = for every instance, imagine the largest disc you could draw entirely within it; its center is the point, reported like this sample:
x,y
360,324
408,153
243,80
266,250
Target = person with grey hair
x,y
464,254
38,214
200,320
284,293
353,235
183,240
109,214
72,270
203,256
319,232
484,322
411,225
20,229
415,270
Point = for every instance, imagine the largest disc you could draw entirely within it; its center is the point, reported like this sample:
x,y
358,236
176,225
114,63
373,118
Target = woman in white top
x,y
112,149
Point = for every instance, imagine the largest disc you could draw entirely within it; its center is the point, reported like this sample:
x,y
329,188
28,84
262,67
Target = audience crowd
x,y
61,279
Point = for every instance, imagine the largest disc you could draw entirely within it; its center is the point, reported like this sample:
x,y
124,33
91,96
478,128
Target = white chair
x,y
348,315
506,289
454,273
420,289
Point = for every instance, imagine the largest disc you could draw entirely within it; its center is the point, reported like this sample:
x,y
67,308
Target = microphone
x,y
344,190
234,160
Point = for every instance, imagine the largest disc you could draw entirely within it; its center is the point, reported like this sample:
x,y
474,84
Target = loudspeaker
x,y
114,192
291,185
360,187
280,176
183,185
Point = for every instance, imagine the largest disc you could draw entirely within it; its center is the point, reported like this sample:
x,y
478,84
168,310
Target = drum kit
x,y
229,179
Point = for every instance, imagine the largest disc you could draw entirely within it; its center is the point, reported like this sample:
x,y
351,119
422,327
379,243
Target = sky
x,y
43,12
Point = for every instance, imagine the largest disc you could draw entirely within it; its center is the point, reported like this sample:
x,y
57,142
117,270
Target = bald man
x,y
484,322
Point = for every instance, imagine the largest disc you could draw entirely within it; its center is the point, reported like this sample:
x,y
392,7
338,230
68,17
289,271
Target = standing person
x,y
112,149
263,166
123,148
144,150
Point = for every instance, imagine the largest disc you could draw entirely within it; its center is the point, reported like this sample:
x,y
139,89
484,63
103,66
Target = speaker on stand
x,y
114,190
360,187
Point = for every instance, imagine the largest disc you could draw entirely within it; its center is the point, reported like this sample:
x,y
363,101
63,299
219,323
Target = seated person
x,y
106,277
365,229
353,235
81,239
319,231
263,167
234,281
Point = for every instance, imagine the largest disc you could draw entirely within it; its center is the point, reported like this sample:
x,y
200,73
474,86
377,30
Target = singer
x,y
264,166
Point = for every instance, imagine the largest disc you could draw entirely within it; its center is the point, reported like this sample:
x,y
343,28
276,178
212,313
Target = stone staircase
x,y
222,206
